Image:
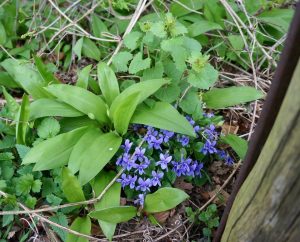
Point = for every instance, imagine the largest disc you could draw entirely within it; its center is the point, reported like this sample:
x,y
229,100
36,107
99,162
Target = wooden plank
x,y
266,207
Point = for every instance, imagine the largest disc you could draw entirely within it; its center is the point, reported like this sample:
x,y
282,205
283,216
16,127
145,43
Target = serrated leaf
x,y
191,104
96,159
36,186
204,78
71,186
168,93
154,72
81,99
163,116
83,77
114,214
44,72
90,49
121,60
138,63
61,219
22,121
111,198
81,225
131,40
54,152
45,107
158,29
160,200
226,97
48,128
239,145
108,82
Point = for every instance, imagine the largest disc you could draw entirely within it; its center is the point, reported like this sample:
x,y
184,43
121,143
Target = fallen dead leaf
x,y
229,129
162,216
183,185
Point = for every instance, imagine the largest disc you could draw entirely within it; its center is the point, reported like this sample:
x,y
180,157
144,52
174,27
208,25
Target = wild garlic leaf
x,y
121,60
139,64
131,40
48,128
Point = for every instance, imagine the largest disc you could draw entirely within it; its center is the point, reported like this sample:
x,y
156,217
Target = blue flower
x,y
156,176
131,181
183,139
140,168
211,133
208,115
209,147
165,159
167,135
123,180
144,185
140,200
127,145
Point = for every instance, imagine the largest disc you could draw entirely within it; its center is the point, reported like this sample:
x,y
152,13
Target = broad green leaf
x,y
124,111
47,75
202,26
82,225
108,82
120,61
48,128
68,124
54,152
111,198
78,154
164,199
239,145
98,26
45,107
77,49
90,49
146,89
163,116
2,34
138,63
7,81
95,158
114,214
71,186
28,78
11,104
83,77
81,99
22,121
178,9
226,97
204,78
131,40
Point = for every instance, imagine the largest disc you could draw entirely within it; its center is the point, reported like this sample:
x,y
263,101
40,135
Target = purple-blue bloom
x,y
140,200
156,176
209,147
164,160
167,135
140,168
123,180
144,184
183,139
127,145
131,181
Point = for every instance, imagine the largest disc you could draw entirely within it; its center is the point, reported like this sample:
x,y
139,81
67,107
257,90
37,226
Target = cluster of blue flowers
x,y
137,173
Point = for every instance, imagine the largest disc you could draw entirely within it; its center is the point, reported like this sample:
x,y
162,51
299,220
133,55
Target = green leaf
x,y
154,72
71,187
90,49
82,225
44,72
191,104
78,154
114,214
22,121
2,34
168,93
45,107
124,111
158,29
7,81
108,82
146,88
68,124
178,9
204,78
54,152
139,64
96,159
120,61
81,99
28,78
111,198
239,145
11,104
77,49
226,97
48,128
163,116
83,77
202,26
131,40
98,26
164,199
61,219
